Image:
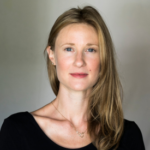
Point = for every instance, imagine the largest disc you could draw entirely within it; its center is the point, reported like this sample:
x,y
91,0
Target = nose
x,y
79,59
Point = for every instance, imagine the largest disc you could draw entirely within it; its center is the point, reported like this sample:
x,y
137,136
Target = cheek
x,y
94,66
63,63
62,67
94,70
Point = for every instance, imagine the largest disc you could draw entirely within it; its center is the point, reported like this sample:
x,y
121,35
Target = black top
x,y
20,131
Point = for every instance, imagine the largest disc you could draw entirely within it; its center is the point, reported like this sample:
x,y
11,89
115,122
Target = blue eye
x,y
68,49
91,49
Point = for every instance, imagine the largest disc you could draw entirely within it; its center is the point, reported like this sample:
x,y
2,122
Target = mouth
x,y
79,75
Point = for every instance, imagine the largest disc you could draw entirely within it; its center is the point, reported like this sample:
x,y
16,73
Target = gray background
x,y
24,29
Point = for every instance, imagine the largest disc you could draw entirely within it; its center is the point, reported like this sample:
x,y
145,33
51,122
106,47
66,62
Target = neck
x,y
72,105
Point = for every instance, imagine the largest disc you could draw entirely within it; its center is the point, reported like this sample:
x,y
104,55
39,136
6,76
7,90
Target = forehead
x,y
77,33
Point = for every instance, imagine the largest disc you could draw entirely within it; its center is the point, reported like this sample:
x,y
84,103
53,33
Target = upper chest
x,y
61,132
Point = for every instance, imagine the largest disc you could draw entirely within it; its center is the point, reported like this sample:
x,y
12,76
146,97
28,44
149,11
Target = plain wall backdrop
x,y
24,30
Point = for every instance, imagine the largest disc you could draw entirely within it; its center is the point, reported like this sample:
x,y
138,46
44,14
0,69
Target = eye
x,y
91,50
69,49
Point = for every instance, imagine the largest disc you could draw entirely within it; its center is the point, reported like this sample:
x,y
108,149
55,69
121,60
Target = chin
x,y
79,88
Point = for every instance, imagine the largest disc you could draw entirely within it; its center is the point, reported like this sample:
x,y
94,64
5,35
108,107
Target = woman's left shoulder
x,y
131,127
132,136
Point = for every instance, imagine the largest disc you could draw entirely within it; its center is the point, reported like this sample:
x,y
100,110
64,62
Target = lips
x,y
79,75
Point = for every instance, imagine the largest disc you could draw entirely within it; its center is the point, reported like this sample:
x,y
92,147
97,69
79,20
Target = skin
x,y
72,99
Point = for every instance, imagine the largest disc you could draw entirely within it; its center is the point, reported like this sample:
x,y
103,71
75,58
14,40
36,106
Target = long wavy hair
x,y
106,121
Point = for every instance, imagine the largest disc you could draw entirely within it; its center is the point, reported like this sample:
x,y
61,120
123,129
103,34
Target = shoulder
x,y
13,130
132,136
131,127
14,121
17,117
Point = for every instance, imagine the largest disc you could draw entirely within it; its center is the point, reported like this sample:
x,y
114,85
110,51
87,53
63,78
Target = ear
x,y
51,54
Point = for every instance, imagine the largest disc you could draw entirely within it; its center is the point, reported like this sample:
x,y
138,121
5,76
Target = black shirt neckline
x,y
89,146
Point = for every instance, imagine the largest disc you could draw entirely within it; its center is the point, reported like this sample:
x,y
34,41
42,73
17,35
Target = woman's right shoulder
x,y
18,116
13,128
25,117
16,120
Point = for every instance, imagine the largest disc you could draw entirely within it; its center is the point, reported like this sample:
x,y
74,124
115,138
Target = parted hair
x,y
105,121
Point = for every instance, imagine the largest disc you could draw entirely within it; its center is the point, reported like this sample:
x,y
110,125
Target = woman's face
x,y
76,51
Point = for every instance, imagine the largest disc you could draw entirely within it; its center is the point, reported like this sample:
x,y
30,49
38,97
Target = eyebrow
x,y
88,44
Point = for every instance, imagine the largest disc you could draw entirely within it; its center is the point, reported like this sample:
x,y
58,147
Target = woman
x,y
87,111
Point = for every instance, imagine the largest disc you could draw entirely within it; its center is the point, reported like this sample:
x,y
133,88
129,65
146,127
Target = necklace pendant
x,y
80,134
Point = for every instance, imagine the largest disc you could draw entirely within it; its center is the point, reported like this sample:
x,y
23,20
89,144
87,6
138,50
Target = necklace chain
x,y
81,134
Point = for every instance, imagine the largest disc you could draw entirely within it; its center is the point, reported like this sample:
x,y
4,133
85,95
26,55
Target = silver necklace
x,y
81,134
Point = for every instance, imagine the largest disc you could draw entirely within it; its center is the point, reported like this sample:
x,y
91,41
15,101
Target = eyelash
x,y
89,48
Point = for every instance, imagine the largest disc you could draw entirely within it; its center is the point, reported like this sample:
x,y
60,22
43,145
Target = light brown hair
x,y
106,123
